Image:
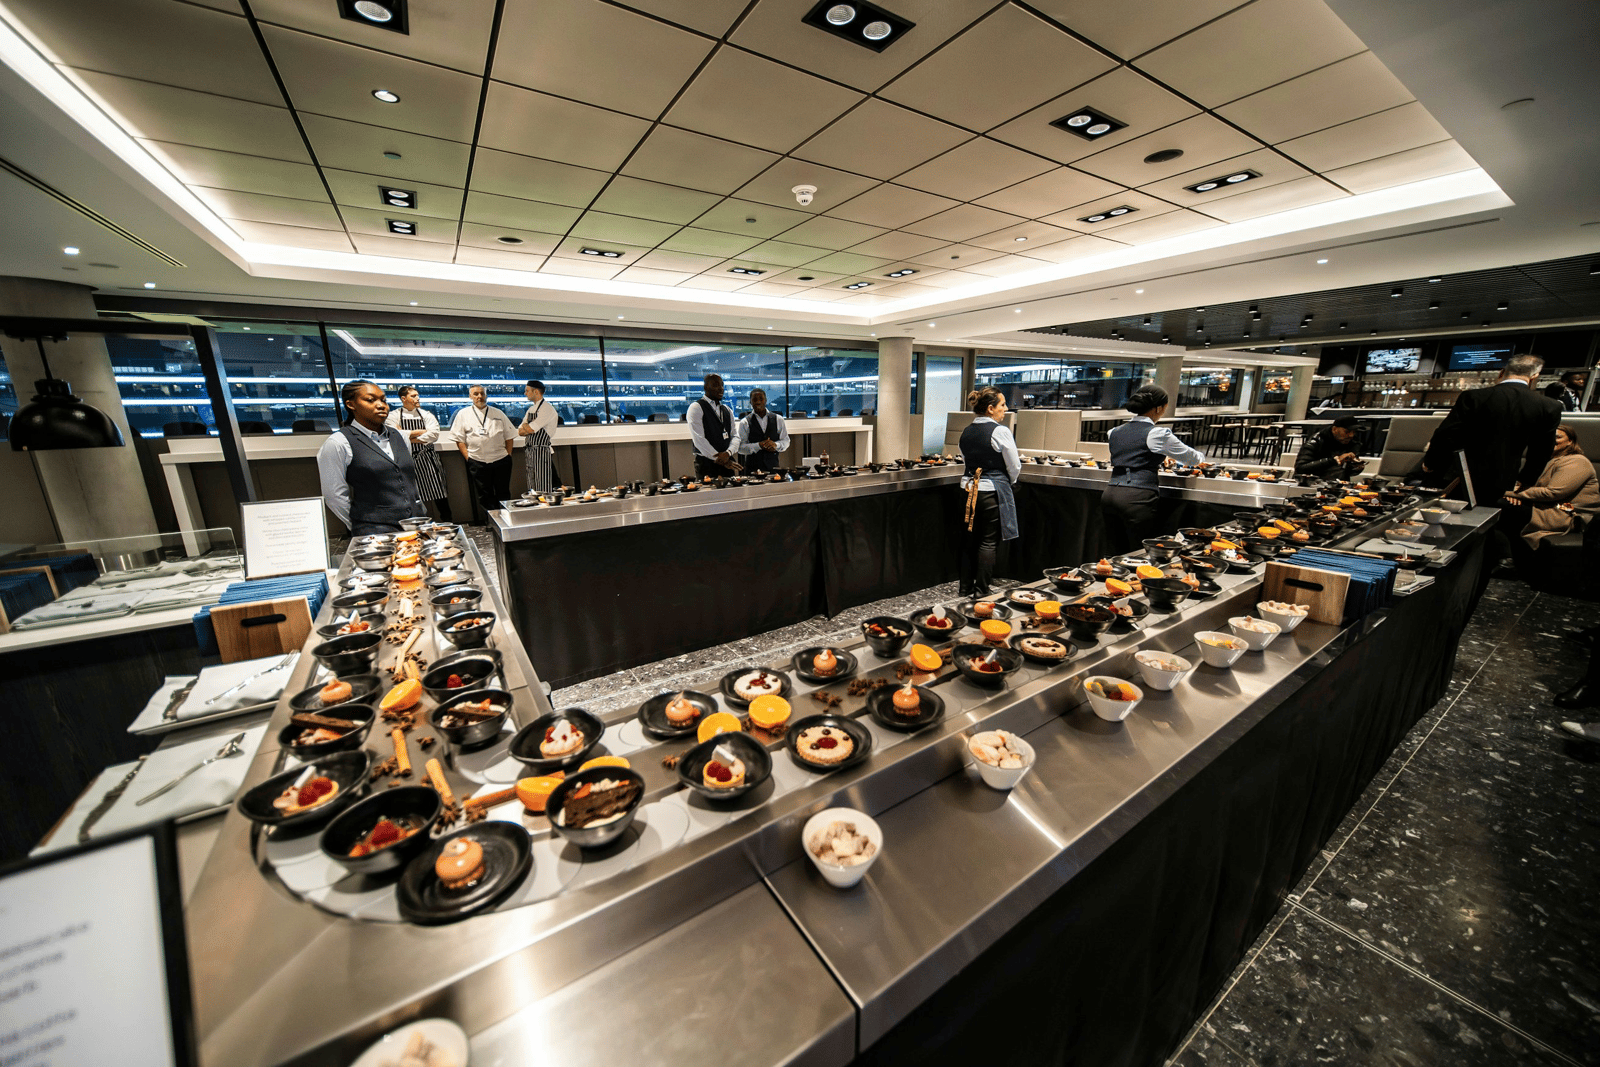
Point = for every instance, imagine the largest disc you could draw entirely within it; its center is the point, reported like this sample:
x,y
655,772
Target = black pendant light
x,y
55,418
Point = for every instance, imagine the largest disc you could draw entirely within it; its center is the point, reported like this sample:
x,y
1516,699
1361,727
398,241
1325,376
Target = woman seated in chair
x,y
1565,499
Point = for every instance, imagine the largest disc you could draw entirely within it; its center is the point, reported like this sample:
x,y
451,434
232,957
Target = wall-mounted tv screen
x,y
1393,360
1479,355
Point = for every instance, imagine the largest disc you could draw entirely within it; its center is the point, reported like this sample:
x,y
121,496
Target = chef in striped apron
x,y
422,430
537,425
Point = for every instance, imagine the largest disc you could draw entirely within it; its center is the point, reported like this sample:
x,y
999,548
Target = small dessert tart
x,y
681,711
460,864
824,745
719,775
562,739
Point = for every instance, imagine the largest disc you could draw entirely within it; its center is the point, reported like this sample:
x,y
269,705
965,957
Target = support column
x,y
92,493
892,438
1299,394
1168,375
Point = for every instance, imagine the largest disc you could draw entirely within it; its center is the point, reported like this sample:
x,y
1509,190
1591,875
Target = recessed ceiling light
x,y
1344,325
858,285
746,270
1138,290
1594,268
386,96
70,250
807,278
1119,211
149,285
1321,261
1102,216
413,303
1227,179
1088,123
1485,322
1017,312
876,30
1147,320
933,324
381,14
769,327
1396,291
1503,306
1436,279
1466,315
622,316
405,198
1094,218
1200,311
509,240
841,14
1165,339
862,23
901,273
1019,238
606,252
1433,305
1166,155
402,226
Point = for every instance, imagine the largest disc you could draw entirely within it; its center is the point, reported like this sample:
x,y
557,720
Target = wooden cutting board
x,y
262,628
1321,591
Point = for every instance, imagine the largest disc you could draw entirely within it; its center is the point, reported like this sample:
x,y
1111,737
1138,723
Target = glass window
x,y
832,381
1213,387
1275,385
8,401
1096,386
1025,383
942,396
161,385
277,376
661,379
444,364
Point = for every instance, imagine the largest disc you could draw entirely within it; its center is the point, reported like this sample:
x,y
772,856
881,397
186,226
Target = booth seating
x,y
184,429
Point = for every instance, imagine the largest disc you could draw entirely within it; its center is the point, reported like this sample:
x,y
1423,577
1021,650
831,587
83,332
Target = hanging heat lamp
x,y
55,419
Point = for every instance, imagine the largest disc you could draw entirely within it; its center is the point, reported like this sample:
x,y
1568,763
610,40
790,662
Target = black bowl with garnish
x,y
783,686
1043,658
595,836
1024,598
350,654
372,559
469,629
929,708
473,668
457,720
347,770
1162,549
804,664
1066,580
412,807
653,714
965,658
331,630
919,621
1086,622
976,611
364,601
360,715
361,687
455,600
1165,594
525,747
507,858
752,753
448,579
1129,612
837,727
1204,567
886,635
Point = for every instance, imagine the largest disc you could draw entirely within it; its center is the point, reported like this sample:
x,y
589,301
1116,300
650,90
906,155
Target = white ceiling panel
x,y
1258,45
601,226
652,276
1007,265
1076,248
281,210
882,140
1272,167
402,248
375,223
897,245
361,190
652,200
754,101
707,16
963,223
247,174
596,52
947,279
572,248
776,186
694,161
971,170
477,235
1202,139
784,254
333,78
851,263
450,33
956,257
1301,193
808,276
509,174
182,116
538,124
824,232
1412,165
1129,30
498,257
774,288
748,219
1143,204
1337,93
959,83
1387,132
293,236
357,146
892,206
491,210
706,243
1031,234
1124,95
1049,193
586,267
1158,227
724,283
155,40
686,262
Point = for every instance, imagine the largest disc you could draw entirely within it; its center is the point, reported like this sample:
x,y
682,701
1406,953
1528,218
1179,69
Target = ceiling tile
x,y
1128,30
1271,166
974,169
1007,265
450,33
732,216
292,236
1301,193
652,200
1076,248
770,288
535,179
851,263
1145,205
537,124
181,116
333,78
774,28
892,206
808,276
776,185
596,52
651,276
247,174
402,248
784,254
707,16
1157,227
745,98
1124,94
581,268
491,210
156,40
948,279
963,223
572,248
1033,234
957,257
824,232
1339,92
1412,165
498,257
958,82
361,190
477,235
720,282
897,245
600,226
687,262
1247,50
707,243
694,161
357,146
881,139
375,223
1049,193
256,207
1387,132
1202,139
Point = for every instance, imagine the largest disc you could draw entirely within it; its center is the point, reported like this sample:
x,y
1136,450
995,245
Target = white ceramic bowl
x,y
1433,515
1286,623
1111,710
842,877
1156,677
1219,655
450,1039
1256,639
1005,777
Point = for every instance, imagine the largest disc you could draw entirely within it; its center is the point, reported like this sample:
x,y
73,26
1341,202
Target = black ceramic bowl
x,y
919,619
443,557
525,746
859,736
886,644
350,654
464,597
1066,580
331,630
752,753
1086,622
366,601
507,859
364,580
1009,660
409,801
801,664
1162,549
653,714
997,610
347,769
478,732
1263,546
449,579
416,522
469,629
1165,594
880,705
1137,611
1043,661
593,836
361,687
375,560
1203,568
785,686
1203,534
475,667
360,714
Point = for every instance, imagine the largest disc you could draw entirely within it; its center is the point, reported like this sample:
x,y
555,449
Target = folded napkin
x,y
70,609
210,787
155,709
214,680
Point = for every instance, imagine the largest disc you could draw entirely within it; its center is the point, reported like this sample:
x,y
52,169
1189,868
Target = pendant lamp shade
x,y
56,419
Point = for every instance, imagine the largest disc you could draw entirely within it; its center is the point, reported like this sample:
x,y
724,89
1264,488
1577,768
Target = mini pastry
x,y
842,845
561,740
907,702
756,683
769,713
1104,567
983,609
1027,596
718,775
406,574
335,692
355,627
825,663
984,665
598,803
460,864
824,745
386,832
313,794
681,711
533,792
1043,647
938,622
998,748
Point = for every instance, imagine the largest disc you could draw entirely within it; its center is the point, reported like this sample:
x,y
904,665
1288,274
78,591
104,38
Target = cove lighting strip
x,y
32,61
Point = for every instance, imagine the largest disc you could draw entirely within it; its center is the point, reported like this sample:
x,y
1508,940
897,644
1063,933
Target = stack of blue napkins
x,y
1371,580
21,593
314,587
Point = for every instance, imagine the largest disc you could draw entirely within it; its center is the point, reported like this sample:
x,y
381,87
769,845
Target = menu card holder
x,y
1323,592
262,628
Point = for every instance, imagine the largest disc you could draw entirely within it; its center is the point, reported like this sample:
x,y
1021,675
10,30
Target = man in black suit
x,y
1507,430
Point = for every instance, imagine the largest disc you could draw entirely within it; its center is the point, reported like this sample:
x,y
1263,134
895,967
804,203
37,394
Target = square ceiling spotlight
x,y
384,14
606,252
403,227
1113,213
867,25
858,285
1089,124
745,270
901,273
405,198
1227,179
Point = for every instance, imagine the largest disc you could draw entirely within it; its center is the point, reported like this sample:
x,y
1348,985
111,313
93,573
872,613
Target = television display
x,y
1393,360
1479,355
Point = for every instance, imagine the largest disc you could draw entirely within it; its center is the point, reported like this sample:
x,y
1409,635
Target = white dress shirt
x,y
541,415
333,464
697,431
484,431
773,424
1164,442
430,425
1006,445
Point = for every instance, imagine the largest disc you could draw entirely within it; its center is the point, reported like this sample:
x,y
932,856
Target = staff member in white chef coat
x,y
537,432
484,435
763,435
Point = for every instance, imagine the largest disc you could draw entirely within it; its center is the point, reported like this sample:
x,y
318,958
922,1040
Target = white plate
x,y
450,1039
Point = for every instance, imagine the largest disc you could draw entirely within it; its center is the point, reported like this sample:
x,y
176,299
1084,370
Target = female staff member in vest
x,y
365,467
763,435
1138,448
993,464
538,423
422,430
484,436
